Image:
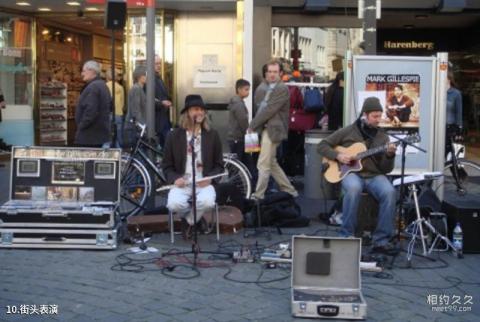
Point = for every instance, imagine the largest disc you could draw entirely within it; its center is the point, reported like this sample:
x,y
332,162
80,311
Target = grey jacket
x,y
274,117
137,104
92,114
373,165
237,119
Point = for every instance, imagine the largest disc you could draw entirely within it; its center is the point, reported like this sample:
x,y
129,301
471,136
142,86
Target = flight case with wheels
x,y
61,198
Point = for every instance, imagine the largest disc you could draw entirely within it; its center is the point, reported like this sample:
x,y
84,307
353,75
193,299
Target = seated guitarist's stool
x,y
367,214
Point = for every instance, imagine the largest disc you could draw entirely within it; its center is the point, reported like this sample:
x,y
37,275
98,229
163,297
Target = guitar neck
x,y
372,151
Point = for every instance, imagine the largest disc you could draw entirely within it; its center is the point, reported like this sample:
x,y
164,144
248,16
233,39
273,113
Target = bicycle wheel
x,y
135,187
468,177
238,175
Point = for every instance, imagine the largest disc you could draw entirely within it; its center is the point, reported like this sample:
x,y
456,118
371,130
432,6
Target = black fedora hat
x,y
191,101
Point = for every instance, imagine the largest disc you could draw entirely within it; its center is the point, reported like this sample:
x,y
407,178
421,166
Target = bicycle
x,y
459,173
137,182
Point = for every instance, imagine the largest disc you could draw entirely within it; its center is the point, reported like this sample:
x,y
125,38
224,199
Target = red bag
x,y
299,120
296,98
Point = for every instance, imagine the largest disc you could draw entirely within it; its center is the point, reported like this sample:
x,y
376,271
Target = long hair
x,y
451,78
186,123
332,88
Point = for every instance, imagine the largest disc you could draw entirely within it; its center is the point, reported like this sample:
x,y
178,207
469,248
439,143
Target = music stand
x,y
400,204
418,228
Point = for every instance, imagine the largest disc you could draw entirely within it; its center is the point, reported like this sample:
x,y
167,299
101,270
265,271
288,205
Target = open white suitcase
x,y
326,280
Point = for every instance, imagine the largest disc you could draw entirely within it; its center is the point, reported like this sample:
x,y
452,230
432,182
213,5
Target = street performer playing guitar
x,y
370,178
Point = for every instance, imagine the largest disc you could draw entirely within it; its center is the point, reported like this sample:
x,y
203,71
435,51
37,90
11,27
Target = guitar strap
x,y
368,134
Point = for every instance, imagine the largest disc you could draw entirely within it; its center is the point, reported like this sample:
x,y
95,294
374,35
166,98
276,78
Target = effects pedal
x,y
244,255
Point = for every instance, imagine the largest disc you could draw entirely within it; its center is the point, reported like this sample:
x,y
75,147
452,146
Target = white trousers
x,y
179,201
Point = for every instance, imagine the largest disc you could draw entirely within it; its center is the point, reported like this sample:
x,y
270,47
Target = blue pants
x,y
383,191
119,124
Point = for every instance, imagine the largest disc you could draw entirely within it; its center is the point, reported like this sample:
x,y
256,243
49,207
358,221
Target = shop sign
x,y
428,45
209,77
19,68
136,3
11,52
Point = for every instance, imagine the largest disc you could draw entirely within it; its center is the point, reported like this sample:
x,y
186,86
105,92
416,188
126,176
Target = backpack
x,y
279,209
313,100
229,195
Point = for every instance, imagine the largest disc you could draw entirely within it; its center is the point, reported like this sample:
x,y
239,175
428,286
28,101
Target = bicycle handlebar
x,y
141,126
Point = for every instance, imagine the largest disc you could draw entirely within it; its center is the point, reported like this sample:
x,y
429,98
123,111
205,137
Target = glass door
x,y
136,46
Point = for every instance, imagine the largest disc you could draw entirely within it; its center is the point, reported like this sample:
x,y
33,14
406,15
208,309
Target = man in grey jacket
x,y
92,114
272,120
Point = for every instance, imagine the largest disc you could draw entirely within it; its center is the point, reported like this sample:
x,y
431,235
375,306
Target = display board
x,y
406,87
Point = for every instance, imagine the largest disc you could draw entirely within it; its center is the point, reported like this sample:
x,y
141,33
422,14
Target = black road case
x,y
62,198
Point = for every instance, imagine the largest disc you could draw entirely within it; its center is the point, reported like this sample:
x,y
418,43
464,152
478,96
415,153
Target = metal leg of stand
x,y
217,223
258,229
437,237
418,227
170,224
414,190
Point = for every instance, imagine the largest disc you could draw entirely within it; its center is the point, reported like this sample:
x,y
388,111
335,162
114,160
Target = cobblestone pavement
x,y
81,286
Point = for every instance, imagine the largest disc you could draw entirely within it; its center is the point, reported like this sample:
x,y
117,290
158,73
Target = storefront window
x,y
16,74
136,45
322,50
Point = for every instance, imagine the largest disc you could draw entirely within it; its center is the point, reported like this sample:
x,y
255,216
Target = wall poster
x,y
405,86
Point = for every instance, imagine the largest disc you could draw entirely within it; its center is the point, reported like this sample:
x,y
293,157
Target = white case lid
x,y
344,266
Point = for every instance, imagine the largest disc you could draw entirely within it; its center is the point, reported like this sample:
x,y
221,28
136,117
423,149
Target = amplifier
x,y
469,218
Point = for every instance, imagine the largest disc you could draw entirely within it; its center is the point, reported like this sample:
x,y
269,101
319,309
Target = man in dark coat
x,y
162,105
177,161
92,114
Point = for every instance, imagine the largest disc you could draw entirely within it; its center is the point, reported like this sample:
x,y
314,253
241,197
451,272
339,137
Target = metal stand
x,y
416,227
258,230
195,246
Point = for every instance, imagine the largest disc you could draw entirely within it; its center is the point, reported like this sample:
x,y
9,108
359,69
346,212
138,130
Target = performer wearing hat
x,y
177,162
371,178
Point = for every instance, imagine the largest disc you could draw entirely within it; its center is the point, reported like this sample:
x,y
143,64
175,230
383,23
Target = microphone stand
x,y
401,198
195,247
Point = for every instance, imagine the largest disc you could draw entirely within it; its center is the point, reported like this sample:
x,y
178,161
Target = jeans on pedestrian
x,y
383,191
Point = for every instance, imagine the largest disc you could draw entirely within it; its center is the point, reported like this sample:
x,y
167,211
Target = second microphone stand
x,y
404,144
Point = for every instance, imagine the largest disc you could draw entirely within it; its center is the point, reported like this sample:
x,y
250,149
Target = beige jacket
x,y
274,116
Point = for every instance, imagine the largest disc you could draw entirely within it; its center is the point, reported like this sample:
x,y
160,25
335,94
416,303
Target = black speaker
x,y
115,14
469,219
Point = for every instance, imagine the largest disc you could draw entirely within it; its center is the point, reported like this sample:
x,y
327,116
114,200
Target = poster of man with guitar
x,y
341,148
402,93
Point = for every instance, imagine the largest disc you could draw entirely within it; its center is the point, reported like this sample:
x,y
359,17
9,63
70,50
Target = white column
x,y
248,50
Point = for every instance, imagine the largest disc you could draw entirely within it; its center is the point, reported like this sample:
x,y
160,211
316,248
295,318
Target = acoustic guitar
x,y
336,170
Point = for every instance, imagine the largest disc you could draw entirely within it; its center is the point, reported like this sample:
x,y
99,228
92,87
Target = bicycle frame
x,y
138,151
